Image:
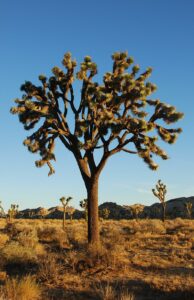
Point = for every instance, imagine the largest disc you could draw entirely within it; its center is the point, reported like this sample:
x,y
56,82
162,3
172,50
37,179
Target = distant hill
x,y
174,208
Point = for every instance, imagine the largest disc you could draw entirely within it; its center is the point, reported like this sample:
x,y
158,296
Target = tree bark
x,y
164,213
93,226
64,215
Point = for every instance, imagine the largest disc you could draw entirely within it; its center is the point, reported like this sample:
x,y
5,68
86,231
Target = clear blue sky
x,y
35,35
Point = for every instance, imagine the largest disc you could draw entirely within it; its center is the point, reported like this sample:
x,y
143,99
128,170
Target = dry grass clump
x,y
50,269
126,295
25,288
108,292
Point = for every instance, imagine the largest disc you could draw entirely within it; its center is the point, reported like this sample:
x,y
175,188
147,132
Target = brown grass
x,y
143,259
21,289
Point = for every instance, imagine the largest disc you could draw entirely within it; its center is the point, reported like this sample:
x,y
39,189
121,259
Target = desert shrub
x,y
3,239
16,253
77,237
25,288
93,255
154,226
114,233
47,234
28,237
71,259
2,223
49,269
11,230
145,226
56,236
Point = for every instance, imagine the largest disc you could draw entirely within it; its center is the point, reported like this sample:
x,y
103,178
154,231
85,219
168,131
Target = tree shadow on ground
x,y
140,289
180,271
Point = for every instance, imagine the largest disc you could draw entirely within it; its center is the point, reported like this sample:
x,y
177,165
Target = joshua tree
x,y
160,193
2,212
108,117
188,206
12,212
70,211
84,204
65,202
105,213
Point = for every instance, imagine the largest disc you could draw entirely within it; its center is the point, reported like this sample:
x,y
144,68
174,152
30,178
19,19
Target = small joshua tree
x,y
70,212
112,116
160,193
84,204
188,206
105,213
12,212
65,202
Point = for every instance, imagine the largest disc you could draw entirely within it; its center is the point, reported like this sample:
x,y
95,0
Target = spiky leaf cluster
x,y
65,201
110,115
84,204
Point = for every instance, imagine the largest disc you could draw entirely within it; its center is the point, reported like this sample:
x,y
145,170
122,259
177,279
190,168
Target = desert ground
x,y
137,260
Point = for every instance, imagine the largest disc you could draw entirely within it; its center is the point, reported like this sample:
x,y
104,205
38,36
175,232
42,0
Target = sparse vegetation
x,y
137,259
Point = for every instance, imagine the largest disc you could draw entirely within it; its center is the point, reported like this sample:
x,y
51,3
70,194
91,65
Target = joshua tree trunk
x,y
64,215
164,212
90,174
92,193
